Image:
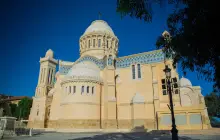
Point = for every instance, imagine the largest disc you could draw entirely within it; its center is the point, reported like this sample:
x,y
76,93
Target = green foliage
x,y
193,27
140,9
13,109
194,39
23,109
213,104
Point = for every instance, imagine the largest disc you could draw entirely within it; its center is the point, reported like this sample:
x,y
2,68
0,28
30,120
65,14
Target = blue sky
x,y
30,27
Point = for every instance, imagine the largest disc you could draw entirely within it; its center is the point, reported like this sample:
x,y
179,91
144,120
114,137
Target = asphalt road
x,y
111,136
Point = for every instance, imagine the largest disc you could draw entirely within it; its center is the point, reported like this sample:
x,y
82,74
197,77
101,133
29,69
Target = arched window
x,y
133,71
139,70
69,89
48,78
87,89
37,112
51,77
74,89
99,43
92,90
82,91
107,43
93,42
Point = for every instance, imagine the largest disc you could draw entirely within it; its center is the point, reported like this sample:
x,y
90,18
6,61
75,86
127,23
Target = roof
x,y
14,98
99,26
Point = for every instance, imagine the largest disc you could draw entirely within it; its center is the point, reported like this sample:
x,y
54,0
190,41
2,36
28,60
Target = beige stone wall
x,y
187,111
75,123
55,105
80,96
35,124
38,109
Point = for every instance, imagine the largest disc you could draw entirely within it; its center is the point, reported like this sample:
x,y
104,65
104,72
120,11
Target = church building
x,y
103,91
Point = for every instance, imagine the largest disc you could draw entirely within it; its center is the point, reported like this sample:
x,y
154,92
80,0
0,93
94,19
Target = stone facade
x,y
103,91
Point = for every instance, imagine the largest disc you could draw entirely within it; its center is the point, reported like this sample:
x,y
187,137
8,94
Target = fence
x,y
9,127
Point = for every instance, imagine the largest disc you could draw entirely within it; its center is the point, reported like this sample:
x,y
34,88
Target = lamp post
x,y
174,131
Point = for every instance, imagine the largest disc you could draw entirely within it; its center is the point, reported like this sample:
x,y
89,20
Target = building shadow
x,y
132,136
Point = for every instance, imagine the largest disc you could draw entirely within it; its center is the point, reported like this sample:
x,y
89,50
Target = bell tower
x,y
41,101
47,74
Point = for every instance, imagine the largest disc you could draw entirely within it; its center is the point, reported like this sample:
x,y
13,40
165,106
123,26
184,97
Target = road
x,y
111,136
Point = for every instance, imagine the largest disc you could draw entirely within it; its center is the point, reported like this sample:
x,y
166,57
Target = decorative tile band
x,y
147,58
123,62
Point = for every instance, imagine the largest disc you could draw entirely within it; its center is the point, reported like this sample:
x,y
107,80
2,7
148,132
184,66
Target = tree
x,y
13,110
213,104
23,109
140,9
193,27
194,39
4,106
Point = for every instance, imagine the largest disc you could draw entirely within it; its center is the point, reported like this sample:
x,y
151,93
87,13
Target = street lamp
x,y
174,131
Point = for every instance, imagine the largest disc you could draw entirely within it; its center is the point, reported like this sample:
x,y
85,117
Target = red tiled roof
x,y
14,98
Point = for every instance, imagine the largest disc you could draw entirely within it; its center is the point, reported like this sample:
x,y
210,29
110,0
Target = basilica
x,y
103,91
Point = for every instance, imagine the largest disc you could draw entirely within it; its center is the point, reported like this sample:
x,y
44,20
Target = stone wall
x,y
78,124
125,124
35,124
92,124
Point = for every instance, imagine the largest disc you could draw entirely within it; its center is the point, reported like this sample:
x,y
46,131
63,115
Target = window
x,y
164,88
82,89
107,43
37,112
87,89
51,77
139,70
99,43
93,42
92,90
176,91
175,85
69,89
74,89
89,44
133,71
44,74
48,78
41,72
164,92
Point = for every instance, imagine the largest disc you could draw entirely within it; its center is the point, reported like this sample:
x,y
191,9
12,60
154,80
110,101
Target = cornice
x,y
81,79
48,59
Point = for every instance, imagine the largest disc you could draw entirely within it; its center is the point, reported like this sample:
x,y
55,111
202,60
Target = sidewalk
x,y
211,131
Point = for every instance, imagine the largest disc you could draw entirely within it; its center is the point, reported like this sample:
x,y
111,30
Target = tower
x,y
46,74
41,101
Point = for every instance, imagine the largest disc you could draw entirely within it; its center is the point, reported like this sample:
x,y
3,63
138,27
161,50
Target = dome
x,y
184,82
84,71
99,26
49,53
